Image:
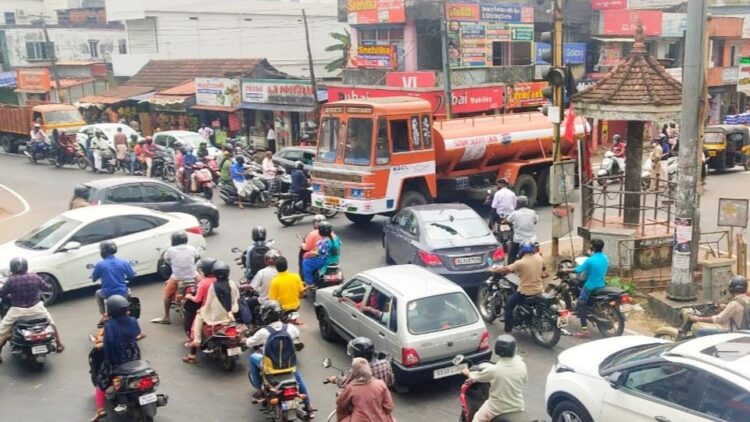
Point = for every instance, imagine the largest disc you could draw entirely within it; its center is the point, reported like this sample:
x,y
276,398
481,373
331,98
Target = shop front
x,y
217,102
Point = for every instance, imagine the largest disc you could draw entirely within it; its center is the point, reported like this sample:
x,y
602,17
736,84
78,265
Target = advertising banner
x,y
743,78
286,92
489,12
573,53
609,4
217,92
376,57
423,79
35,79
610,54
624,22
526,94
673,25
363,12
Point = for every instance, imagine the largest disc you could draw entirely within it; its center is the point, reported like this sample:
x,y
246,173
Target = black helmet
x,y
107,248
522,201
325,228
270,311
259,234
360,347
179,237
177,146
206,266
505,346
19,265
81,192
117,306
738,284
240,159
221,270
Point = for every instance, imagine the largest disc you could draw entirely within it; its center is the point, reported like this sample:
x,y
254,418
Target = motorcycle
x,y
223,342
71,154
685,330
669,168
610,166
163,166
32,338
134,397
472,395
291,209
540,315
259,195
603,307
212,166
202,181
109,159
40,151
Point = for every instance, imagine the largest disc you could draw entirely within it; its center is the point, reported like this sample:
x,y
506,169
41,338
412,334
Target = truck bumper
x,y
354,206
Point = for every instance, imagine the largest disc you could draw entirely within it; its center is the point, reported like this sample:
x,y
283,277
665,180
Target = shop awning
x,y
141,97
31,91
164,100
116,95
602,39
278,107
225,109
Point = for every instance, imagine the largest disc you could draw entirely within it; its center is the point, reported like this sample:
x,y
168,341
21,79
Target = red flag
x,y
570,125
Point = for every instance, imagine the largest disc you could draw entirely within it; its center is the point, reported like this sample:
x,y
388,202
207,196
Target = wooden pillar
x,y
633,165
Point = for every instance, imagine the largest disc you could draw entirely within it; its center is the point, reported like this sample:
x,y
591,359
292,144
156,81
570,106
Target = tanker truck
x,y
379,155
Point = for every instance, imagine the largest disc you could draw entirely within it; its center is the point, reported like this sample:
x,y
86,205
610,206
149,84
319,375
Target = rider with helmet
x,y
24,289
528,266
318,258
362,347
181,257
271,313
255,255
618,147
80,198
507,378
237,173
523,220
312,238
299,182
261,284
193,302
188,161
733,317
113,273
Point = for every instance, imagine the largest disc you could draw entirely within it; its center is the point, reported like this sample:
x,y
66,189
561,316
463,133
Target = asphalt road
x,y
63,391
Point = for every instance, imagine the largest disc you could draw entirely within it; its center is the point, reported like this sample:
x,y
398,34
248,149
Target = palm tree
x,y
344,45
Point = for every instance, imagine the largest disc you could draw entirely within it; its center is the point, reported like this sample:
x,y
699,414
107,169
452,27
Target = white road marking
x,y
26,206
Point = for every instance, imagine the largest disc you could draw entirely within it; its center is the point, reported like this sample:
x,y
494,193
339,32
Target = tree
x,y
344,45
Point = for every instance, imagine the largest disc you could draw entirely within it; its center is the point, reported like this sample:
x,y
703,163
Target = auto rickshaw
x,y
727,146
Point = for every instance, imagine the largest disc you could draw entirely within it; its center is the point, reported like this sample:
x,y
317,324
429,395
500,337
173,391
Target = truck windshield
x,y
62,116
358,142
712,138
329,133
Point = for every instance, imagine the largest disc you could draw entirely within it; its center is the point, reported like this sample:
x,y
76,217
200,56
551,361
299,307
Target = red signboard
x,y
465,100
462,12
526,94
363,12
33,79
609,4
624,22
375,57
425,79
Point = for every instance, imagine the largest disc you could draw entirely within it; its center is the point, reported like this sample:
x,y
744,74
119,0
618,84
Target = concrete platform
x,y
669,310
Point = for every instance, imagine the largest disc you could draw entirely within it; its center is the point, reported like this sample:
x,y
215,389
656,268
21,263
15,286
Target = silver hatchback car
x,y
419,318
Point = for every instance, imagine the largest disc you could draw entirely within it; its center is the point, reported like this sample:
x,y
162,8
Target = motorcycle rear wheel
x,y
548,342
284,212
615,318
82,163
169,173
485,302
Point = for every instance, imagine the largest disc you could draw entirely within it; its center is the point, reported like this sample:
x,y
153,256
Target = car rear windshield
x,y
730,350
636,353
48,234
440,312
445,225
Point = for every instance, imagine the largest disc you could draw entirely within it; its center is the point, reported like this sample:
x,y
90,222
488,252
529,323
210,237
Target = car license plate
x,y
234,351
468,260
288,405
147,399
562,322
38,350
449,371
332,201
504,228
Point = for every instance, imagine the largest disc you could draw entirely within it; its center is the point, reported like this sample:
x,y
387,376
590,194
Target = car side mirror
x,y
337,293
616,379
70,246
326,363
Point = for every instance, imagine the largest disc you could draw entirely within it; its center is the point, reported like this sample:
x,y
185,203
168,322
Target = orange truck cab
x,y
16,122
379,155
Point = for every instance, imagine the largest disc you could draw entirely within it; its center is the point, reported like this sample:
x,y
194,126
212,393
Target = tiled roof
x,y
636,81
188,88
115,95
163,74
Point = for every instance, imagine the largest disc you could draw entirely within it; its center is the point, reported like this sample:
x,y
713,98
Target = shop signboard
x,y
609,4
743,77
217,92
525,94
522,33
489,12
465,100
624,22
673,25
364,12
423,79
376,57
283,91
610,54
573,53
33,79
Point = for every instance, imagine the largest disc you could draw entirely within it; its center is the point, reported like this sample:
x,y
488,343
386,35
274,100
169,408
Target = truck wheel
x,y
6,142
545,191
412,198
359,218
526,185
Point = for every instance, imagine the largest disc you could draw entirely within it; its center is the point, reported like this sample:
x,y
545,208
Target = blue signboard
x,y
573,53
490,12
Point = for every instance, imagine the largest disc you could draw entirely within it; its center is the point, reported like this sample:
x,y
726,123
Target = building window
x,y
122,46
39,50
63,17
381,36
511,53
10,18
717,53
94,48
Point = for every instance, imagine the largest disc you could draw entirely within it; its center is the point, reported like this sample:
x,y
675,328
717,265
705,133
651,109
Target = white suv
x,y
635,378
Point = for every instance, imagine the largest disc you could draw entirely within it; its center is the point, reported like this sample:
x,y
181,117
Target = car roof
x,y
411,281
116,181
430,211
176,133
103,211
729,351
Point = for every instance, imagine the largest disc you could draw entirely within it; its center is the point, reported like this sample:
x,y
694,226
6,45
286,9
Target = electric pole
x,y
310,64
448,91
558,92
687,202
52,58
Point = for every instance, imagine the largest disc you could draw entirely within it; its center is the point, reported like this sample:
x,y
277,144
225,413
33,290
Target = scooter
x,y
213,166
40,151
202,180
259,195
223,343
291,208
610,166
32,339
134,396
668,167
473,394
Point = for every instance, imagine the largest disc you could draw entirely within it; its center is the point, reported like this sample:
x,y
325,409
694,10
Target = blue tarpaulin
x,y
7,79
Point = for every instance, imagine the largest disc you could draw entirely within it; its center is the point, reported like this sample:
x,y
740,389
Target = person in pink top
x,y
194,302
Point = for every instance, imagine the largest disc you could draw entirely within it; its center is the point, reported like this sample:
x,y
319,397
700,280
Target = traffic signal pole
x,y
558,93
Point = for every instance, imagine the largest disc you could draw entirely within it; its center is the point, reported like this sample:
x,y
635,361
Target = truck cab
x,y
63,117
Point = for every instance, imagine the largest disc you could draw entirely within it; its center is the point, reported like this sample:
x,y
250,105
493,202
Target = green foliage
x,y
344,44
629,287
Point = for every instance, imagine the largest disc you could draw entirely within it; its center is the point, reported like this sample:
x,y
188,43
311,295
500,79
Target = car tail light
x,y
498,254
289,393
231,331
409,356
430,259
563,313
195,230
484,341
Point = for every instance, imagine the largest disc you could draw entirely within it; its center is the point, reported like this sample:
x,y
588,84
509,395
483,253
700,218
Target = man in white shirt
x,y
271,138
269,168
205,132
503,203
523,220
181,257
261,283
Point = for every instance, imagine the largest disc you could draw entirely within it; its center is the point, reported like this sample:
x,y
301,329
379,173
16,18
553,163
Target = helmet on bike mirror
x,y
206,266
526,248
19,265
360,347
179,237
117,306
270,311
738,284
221,270
505,346
107,248
522,201
258,234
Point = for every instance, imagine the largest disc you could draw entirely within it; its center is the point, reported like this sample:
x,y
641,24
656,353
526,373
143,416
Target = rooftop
x,y
102,211
411,281
165,74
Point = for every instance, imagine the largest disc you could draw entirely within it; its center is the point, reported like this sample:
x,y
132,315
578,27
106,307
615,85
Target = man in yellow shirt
x,y
286,288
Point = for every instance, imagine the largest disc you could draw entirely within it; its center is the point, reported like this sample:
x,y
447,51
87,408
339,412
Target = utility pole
x,y
310,64
687,202
448,90
558,93
52,58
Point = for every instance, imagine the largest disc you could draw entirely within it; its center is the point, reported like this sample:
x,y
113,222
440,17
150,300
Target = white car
x,y
168,138
107,129
639,379
64,250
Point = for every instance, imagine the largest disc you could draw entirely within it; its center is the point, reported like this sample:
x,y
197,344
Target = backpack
x,y
257,258
279,354
745,316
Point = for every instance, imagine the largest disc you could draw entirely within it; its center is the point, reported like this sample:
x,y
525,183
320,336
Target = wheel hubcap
x,y
569,416
205,225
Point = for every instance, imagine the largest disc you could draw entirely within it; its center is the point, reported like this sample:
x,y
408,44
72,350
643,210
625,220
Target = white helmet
x,y
319,218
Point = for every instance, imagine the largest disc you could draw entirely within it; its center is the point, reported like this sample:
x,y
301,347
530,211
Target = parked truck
x,y
379,155
16,122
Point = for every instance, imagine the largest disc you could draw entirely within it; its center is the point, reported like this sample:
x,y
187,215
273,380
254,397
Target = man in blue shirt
x,y
299,182
237,172
596,267
188,161
113,272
